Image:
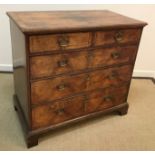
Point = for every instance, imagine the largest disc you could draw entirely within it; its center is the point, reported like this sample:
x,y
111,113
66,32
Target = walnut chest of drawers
x,y
70,66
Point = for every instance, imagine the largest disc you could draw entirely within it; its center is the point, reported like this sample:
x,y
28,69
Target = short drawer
x,y
60,87
106,98
49,65
57,112
43,43
117,36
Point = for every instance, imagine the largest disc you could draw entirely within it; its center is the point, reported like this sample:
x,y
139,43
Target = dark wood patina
x,y
71,66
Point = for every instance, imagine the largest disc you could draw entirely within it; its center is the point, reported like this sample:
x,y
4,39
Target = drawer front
x,y
43,66
63,110
41,43
118,36
52,89
115,76
49,65
106,98
112,56
56,88
57,112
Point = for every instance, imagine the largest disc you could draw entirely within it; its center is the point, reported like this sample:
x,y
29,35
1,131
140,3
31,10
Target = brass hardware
x,y
90,56
115,55
62,63
63,41
52,106
61,87
60,111
113,75
88,78
119,36
108,98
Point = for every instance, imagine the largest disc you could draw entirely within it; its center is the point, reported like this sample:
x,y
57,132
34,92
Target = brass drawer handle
x,y
63,41
115,55
61,87
57,110
90,56
60,111
62,63
113,75
87,78
119,36
108,98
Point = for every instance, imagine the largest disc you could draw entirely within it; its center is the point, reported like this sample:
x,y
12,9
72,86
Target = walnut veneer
x,y
70,66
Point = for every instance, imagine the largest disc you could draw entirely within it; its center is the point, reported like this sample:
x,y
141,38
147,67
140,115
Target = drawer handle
x,y
115,55
113,75
119,36
61,87
62,63
63,41
90,56
87,78
60,111
108,98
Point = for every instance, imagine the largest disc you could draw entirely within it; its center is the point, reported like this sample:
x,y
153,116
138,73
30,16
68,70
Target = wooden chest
x,y
70,66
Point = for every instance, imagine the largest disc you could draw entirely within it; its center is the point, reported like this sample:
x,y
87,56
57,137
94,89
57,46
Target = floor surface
x,y
134,131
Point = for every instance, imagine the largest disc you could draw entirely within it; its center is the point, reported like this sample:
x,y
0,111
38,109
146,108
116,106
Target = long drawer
x,y
63,110
60,87
49,65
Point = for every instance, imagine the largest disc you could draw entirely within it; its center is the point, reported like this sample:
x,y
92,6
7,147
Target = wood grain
x,y
64,110
117,36
49,65
57,112
41,43
106,98
56,88
66,21
71,65
116,55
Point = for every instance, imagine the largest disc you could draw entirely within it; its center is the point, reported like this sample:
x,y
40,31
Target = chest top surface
x,y
64,21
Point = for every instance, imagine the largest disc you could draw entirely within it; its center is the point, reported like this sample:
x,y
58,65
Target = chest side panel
x,y
20,68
